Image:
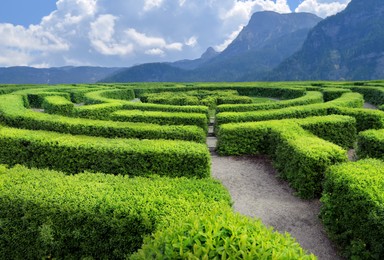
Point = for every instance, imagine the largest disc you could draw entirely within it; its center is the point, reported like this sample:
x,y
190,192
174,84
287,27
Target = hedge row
x,y
311,97
298,155
108,95
161,118
57,105
333,93
220,234
365,118
200,97
75,154
13,113
371,144
36,100
108,105
373,95
340,130
47,215
243,90
351,100
353,208
264,115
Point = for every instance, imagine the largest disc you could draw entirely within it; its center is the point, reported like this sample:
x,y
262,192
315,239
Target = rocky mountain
x,y
346,46
267,40
61,75
209,54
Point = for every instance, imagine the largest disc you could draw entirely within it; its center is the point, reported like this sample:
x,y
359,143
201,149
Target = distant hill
x,y
346,46
266,41
61,75
209,54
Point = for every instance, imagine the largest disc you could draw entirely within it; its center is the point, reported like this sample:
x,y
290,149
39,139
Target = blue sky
x,y
47,33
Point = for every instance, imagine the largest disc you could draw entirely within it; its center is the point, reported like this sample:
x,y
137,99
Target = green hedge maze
x,y
123,171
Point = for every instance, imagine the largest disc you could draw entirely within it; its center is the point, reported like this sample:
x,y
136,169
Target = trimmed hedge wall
x,y
36,100
351,100
108,105
299,156
373,95
47,215
371,144
257,91
120,94
353,208
311,97
196,97
264,115
161,118
57,105
13,113
340,130
220,234
365,118
333,93
75,154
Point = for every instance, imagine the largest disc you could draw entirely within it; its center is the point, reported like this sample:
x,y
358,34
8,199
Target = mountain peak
x,y
266,26
346,46
209,54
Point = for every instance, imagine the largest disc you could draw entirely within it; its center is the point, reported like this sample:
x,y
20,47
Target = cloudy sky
x,y
48,33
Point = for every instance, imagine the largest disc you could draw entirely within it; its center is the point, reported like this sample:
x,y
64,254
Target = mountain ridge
x,y
250,50
346,46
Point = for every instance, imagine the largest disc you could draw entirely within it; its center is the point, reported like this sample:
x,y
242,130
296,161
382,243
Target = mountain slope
x,y
268,39
347,46
209,54
62,75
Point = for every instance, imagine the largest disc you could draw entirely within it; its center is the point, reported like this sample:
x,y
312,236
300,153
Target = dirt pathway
x,y
257,192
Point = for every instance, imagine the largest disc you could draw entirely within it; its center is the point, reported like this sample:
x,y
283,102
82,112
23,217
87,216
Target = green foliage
x,y
340,130
75,154
170,98
45,214
57,105
244,89
353,208
161,118
311,97
352,100
373,95
234,100
365,118
333,93
13,113
220,234
264,115
196,97
102,106
121,94
300,157
371,144
36,99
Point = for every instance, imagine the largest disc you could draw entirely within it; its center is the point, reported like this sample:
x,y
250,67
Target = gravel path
x,y
257,192
369,106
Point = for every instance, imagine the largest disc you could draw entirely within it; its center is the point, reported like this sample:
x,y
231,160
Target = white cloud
x,y
191,42
230,39
126,32
155,52
150,4
245,9
102,37
322,8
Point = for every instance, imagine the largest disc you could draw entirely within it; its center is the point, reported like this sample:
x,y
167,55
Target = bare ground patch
x,y
257,192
